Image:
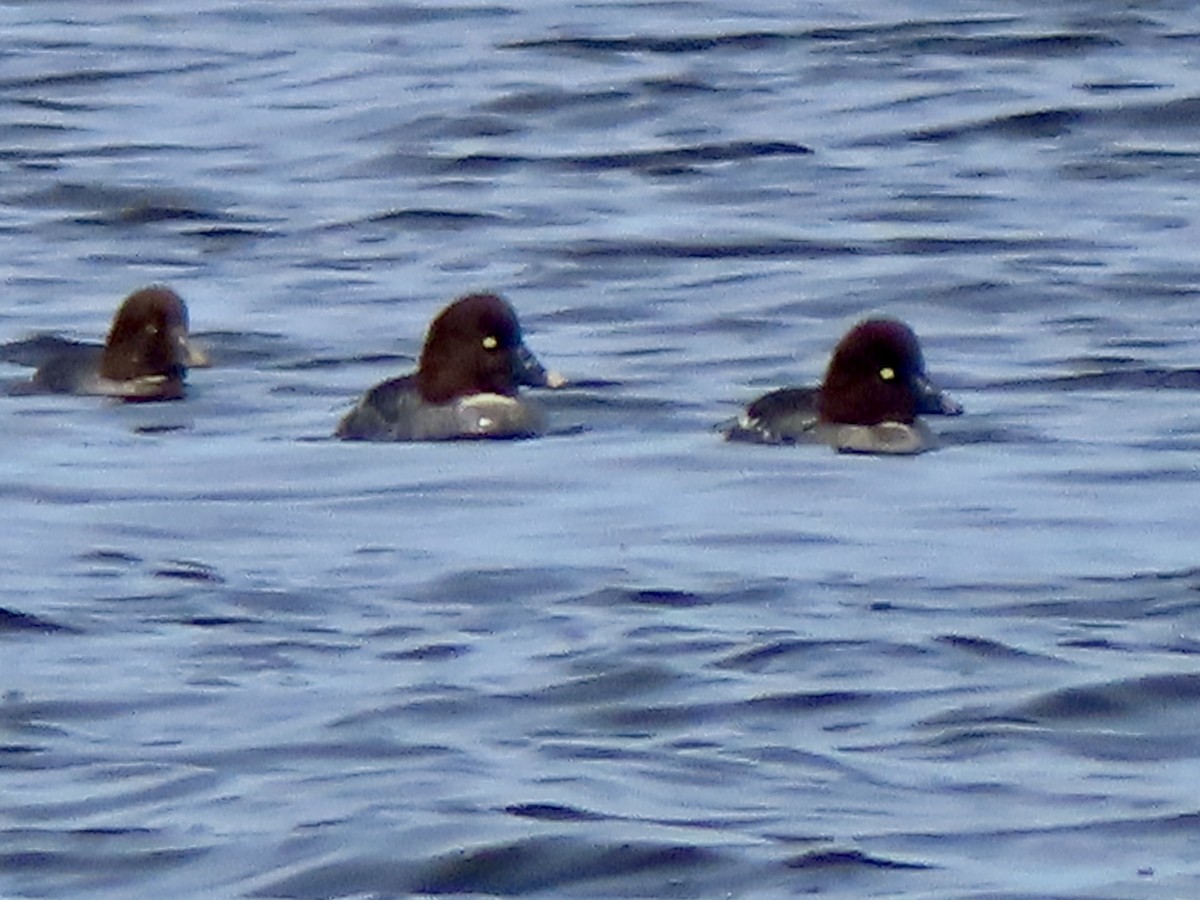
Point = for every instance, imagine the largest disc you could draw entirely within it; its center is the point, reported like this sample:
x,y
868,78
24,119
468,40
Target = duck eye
x,y
490,342
887,373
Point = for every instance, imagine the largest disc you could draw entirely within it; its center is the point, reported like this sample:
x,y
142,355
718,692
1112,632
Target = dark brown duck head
x,y
877,374
474,346
147,353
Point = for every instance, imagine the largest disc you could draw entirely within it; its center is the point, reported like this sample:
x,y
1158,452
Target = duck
x,y
466,385
874,389
145,356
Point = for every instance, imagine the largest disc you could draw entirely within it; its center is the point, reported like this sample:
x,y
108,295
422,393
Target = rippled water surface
x,y
241,659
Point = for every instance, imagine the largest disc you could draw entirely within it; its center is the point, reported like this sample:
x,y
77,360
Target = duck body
x,y
874,390
145,357
467,383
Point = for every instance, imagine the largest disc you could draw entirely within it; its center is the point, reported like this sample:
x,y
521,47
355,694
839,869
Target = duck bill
x,y
527,370
933,402
190,355
196,358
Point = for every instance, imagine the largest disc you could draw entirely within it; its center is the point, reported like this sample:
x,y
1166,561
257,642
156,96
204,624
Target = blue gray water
x,y
627,660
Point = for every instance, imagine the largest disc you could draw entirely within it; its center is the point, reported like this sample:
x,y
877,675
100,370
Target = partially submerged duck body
x,y
874,389
466,385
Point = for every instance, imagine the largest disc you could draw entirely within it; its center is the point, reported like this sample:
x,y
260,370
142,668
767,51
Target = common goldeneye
x,y
874,389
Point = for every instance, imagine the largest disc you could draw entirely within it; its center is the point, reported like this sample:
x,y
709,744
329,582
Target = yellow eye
x,y
490,342
887,373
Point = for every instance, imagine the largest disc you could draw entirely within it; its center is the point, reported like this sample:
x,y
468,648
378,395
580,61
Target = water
x,y
241,659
